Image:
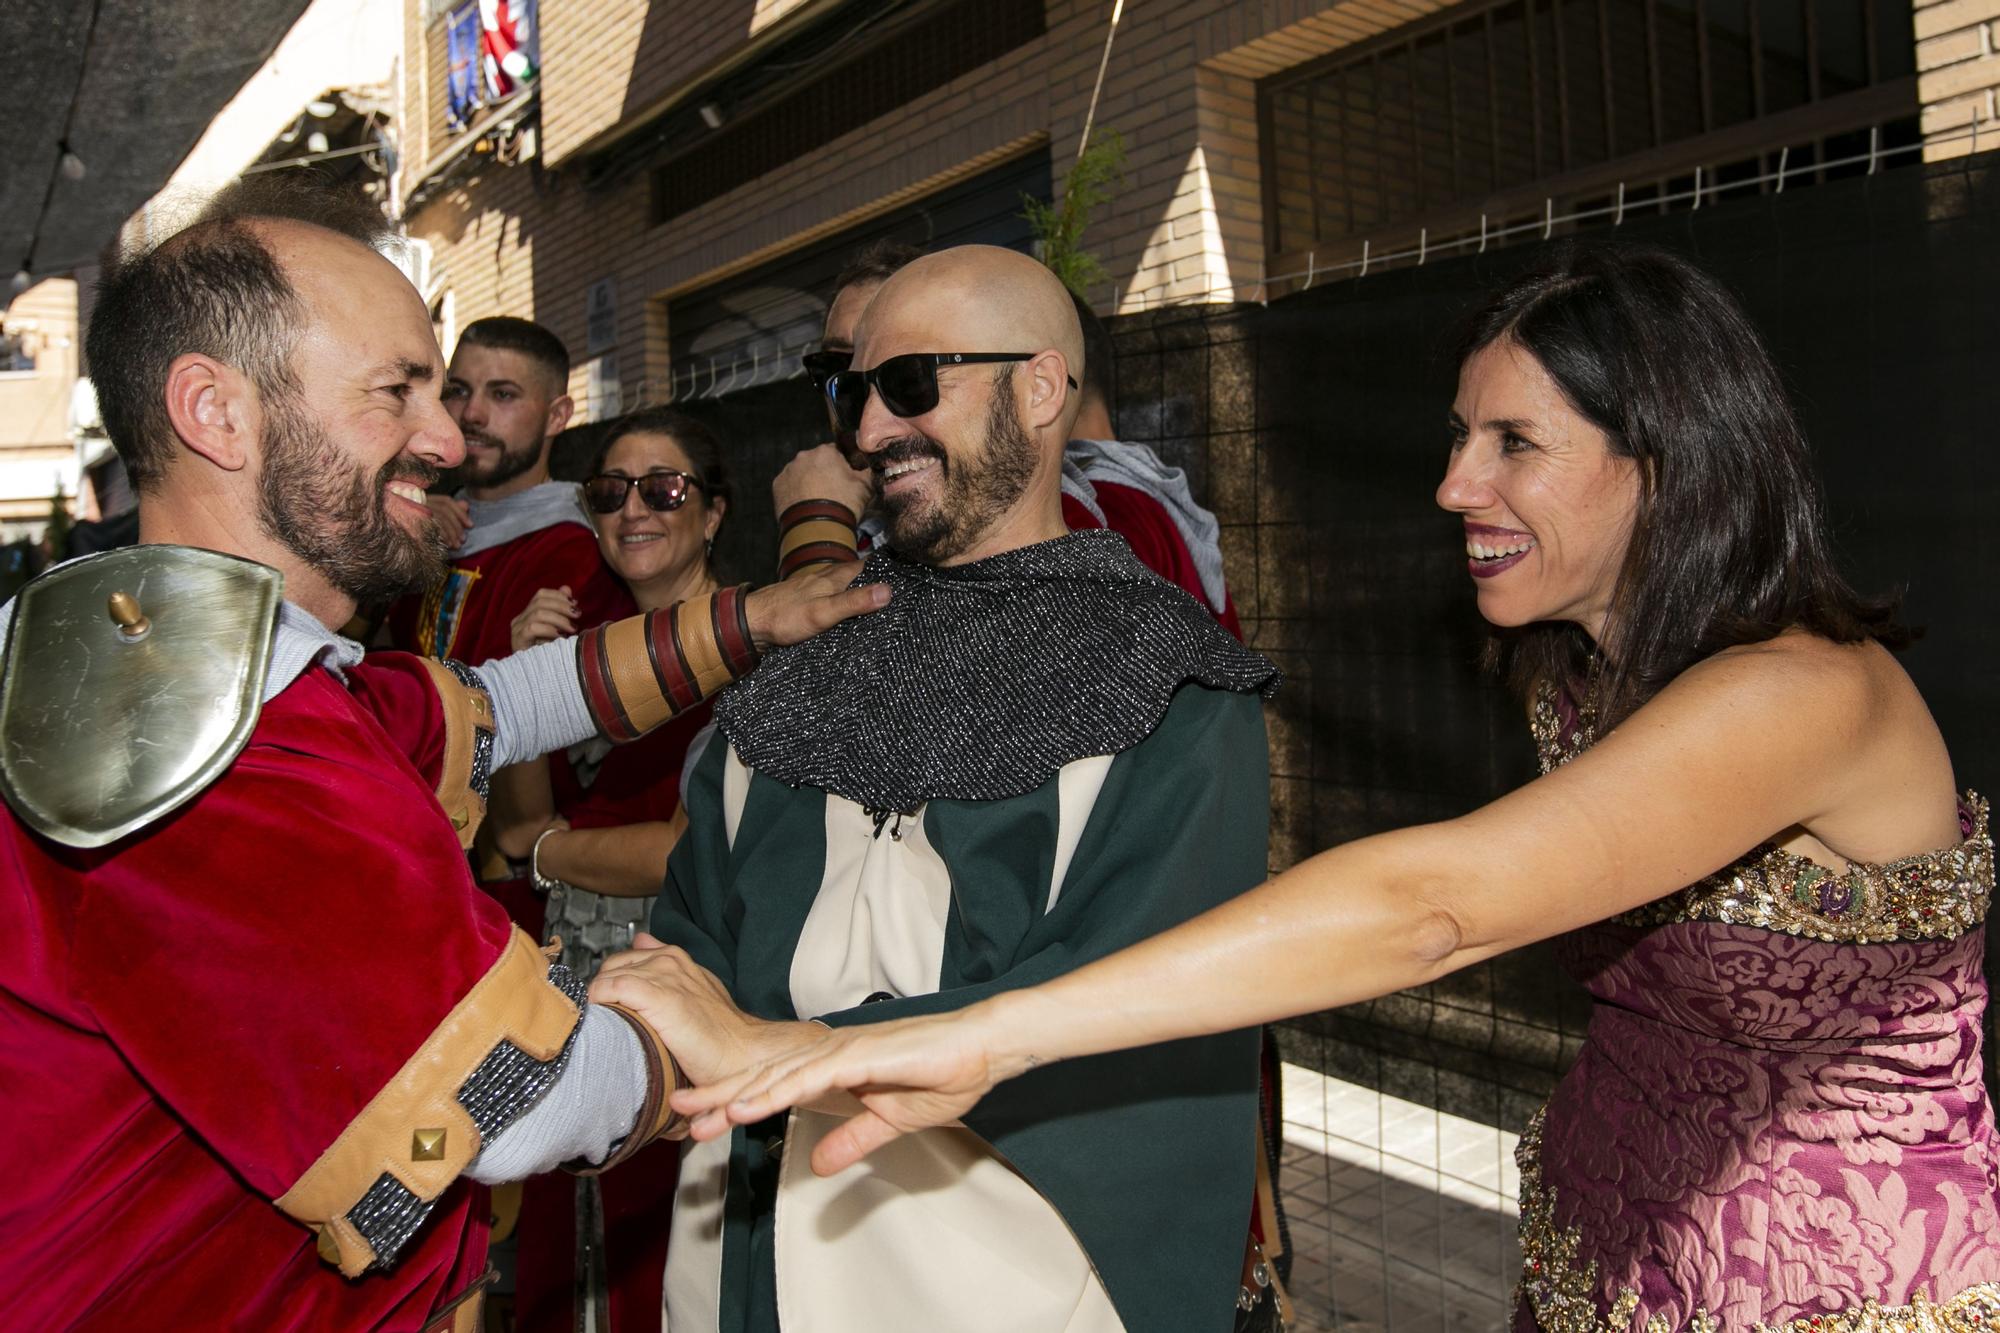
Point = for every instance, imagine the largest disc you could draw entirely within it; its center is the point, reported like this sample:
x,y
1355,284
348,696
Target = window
x,y
492,51
1496,106
919,51
750,329
17,354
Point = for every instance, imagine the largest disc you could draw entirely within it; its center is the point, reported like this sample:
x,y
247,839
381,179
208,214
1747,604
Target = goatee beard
x,y
334,516
507,464
976,493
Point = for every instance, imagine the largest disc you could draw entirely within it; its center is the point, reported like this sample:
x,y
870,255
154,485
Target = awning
x,y
129,85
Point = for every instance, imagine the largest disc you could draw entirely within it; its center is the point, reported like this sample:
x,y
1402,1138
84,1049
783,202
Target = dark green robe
x,y
1146,1154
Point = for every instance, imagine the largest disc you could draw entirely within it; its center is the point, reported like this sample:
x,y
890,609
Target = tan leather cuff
x,y
415,1129
468,747
638,672
656,1119
816,532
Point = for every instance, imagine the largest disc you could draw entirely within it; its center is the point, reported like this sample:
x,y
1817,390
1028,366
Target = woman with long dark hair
x,y
1747,833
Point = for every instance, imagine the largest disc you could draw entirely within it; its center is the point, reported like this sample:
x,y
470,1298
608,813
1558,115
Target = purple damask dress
x,y
1777,1120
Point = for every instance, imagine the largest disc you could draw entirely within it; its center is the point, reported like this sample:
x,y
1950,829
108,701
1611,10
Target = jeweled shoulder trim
x,y
1931,896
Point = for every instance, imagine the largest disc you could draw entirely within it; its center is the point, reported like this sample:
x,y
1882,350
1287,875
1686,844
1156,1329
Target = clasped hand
x,y
710,1037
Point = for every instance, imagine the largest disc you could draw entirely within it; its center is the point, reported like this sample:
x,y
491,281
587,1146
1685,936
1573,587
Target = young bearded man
x,y
511,530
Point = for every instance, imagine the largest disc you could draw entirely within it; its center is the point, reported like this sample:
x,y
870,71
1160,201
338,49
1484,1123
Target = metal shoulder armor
x,y
130,681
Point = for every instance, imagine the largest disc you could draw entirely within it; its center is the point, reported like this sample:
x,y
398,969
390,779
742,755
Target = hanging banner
x,y
492,51
508,44
462,77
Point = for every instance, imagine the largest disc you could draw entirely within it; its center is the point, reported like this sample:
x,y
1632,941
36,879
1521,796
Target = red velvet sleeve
x,y
270,957
397,689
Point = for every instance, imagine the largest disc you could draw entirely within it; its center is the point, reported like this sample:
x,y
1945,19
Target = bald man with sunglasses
x,y
1045,752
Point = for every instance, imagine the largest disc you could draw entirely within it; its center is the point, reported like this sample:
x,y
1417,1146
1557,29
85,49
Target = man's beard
x,y
977,492
505,465
334,516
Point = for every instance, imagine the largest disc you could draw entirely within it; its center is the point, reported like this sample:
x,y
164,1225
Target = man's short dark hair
x,y
505,333
1100,363
877,261
213,288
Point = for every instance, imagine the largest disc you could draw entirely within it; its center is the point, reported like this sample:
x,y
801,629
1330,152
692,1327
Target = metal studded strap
x,y
491,1058
465,776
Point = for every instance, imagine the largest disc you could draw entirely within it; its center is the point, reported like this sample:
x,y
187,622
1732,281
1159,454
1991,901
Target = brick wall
x,y
1958,75
605,61
1181,88
1189,224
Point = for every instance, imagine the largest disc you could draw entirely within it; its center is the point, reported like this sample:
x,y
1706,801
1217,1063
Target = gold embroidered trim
x,y
1562,1291
1932,896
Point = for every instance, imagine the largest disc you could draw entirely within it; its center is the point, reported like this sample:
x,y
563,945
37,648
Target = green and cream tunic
x,y
1098,1194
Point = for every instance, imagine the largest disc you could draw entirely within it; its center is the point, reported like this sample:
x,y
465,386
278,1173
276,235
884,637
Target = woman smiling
x,y
598,837
1747,833
658,492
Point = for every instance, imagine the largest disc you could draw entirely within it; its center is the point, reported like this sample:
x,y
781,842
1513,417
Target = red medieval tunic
x,y
469,614
191,1016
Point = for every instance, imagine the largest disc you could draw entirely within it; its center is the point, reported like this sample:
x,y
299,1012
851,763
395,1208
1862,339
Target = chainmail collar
x,y
979,682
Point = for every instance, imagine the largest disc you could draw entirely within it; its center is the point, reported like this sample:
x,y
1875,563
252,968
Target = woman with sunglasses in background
x,y
657,493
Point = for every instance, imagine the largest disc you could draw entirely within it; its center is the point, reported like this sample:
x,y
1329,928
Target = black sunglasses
x,y
908,384
662,491
821,366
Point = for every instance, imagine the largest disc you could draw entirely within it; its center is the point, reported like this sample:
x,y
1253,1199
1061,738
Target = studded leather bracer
x,y
487,1063
465,776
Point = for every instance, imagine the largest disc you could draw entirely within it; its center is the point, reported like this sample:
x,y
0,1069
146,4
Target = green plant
x,y
1099,173
59,522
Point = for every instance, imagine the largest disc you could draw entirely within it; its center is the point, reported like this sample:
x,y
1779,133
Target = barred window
x,y
1494,107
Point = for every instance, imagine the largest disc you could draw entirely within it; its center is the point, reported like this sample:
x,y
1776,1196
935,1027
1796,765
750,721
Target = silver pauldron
x,y
130,681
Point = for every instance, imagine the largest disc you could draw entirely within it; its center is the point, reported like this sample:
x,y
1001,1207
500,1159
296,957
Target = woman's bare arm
x,y
1737,749
629,861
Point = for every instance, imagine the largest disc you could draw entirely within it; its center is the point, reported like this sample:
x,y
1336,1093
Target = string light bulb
x,y
72,165
22,279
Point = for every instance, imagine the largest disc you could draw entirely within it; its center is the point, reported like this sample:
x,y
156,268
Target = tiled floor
x,y
1402,1217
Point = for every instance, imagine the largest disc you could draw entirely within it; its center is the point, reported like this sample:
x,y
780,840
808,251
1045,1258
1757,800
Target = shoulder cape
x,y
979,682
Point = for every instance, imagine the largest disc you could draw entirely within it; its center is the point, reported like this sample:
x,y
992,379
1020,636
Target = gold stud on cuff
x,y
427,1145
329,1248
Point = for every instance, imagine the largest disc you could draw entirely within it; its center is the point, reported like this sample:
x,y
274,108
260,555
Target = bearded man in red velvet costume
x,y
262,1042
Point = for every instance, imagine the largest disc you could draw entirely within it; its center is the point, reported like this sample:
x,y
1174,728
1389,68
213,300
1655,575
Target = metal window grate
x,y
1494,103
